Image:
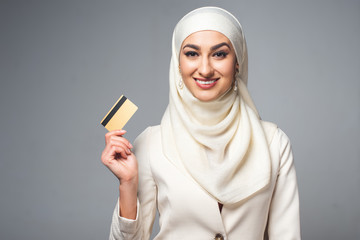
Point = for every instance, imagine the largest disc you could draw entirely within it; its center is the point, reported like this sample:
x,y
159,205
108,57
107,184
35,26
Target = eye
x,y
191,54
220,54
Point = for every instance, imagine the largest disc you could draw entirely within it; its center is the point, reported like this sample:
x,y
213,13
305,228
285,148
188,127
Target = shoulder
x,y
270,130
279,144
144,150
147,137
147,133
273,133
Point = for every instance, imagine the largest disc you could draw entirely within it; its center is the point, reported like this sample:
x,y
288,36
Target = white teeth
x,y
205,82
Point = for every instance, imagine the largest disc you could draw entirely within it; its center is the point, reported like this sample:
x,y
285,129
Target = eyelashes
x,y
191,54
218,54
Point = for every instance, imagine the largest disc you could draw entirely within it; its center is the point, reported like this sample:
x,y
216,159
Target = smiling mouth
x,y
205,82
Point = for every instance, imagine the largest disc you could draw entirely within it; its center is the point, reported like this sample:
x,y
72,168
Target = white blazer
x,y
188,212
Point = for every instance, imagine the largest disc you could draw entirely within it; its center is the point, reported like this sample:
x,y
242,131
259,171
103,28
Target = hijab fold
x,y
220,144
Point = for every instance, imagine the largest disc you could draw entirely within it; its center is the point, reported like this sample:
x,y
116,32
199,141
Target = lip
x,y
206,83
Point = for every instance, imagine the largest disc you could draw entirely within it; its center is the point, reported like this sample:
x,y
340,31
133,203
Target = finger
x,y
110,152
107,152
119,150
115,140
119,133
111,134
120,142
123,147
107,155
115,152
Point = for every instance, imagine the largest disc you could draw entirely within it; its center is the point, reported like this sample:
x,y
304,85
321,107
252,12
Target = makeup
x,y
205,83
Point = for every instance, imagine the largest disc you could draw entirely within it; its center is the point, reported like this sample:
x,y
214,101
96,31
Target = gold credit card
x,y
119,114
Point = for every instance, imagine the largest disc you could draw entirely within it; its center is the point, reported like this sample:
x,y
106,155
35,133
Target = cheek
x,y
226,68
187,67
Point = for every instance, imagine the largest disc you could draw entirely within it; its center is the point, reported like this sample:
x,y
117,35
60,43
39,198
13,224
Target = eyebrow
x,y
212,48
191,46
220,45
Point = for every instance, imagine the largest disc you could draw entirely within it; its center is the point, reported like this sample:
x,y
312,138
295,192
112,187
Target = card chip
x,y
119,114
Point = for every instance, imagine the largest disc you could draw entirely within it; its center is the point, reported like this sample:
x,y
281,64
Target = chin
x,y
206,97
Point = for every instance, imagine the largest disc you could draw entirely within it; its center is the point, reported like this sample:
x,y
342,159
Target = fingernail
x,y
131,146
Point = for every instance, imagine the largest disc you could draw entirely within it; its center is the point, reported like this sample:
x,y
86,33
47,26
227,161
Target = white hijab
x,y
220,144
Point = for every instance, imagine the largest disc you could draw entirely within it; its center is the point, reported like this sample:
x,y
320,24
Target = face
x,y
207,64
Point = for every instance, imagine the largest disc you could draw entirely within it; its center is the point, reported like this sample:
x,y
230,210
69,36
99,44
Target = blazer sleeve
x,y
140,228
284,217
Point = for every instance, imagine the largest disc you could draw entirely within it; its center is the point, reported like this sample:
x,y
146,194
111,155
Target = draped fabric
x,y
220,144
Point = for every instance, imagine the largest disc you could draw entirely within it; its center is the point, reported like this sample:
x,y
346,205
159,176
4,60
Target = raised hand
x,y
117,156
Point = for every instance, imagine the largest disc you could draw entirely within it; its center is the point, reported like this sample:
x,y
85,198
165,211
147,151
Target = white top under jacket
x,y
188,212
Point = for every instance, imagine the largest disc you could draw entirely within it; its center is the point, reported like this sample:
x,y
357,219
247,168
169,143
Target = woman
x,y
213,169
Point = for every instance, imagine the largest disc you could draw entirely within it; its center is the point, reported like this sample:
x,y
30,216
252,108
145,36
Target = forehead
x,y
206,37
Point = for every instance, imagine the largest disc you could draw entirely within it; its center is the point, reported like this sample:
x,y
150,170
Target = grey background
x,y
64,63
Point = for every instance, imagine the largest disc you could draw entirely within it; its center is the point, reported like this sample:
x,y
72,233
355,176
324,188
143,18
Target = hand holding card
x,y
117,155
119,114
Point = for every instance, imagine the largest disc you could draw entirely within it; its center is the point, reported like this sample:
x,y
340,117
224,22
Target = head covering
x,y
220,144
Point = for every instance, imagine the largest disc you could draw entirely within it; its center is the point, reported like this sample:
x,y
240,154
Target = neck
x,y
208,113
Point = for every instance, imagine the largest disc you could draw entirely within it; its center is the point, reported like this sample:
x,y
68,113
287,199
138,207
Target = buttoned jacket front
x,y
188,212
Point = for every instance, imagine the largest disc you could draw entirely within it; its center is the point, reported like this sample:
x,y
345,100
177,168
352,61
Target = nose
x,y
205,68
